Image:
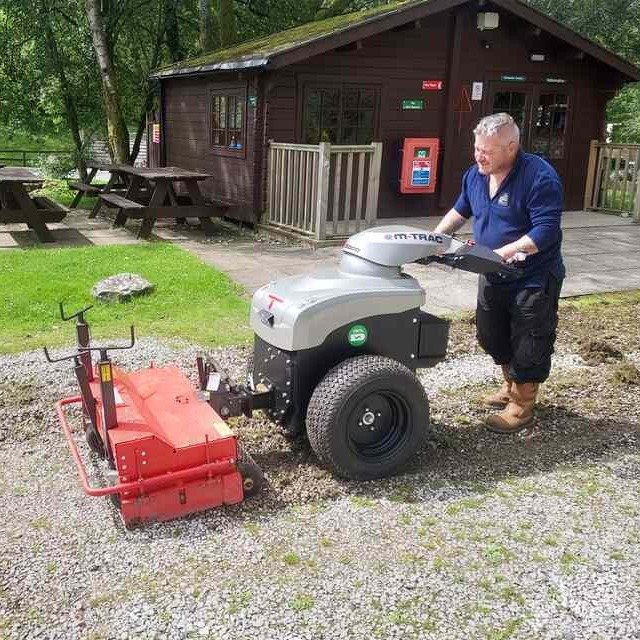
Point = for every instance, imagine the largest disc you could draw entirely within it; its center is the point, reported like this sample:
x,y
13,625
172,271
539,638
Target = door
x,y
543,114
548,134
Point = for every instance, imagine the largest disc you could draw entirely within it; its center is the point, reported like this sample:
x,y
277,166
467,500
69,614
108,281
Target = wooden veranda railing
x,y
613,179
323,191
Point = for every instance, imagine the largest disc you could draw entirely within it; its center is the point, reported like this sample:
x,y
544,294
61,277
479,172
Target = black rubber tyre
x,y
367,417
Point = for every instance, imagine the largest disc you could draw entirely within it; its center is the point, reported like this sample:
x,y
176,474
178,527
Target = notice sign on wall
x,y
412,105
155,133
421,173
432,85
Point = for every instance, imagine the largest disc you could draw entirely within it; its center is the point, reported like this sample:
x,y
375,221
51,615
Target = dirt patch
x,y
626,373
598,351
603,331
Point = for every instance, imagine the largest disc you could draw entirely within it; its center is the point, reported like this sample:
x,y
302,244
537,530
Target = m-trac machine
x,y
336,350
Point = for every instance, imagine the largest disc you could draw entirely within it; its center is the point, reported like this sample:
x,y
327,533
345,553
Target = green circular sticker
x,y
357,335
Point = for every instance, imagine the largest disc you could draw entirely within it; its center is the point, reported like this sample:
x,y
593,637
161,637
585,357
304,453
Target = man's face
x,y
494,155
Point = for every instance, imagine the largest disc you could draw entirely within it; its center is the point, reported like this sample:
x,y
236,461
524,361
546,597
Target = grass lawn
x,y
191,300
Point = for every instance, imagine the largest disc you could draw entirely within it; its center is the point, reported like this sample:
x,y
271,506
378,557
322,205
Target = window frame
x,y
552,110
227,91
328,84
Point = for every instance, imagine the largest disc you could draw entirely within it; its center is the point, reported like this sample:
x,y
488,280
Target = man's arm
x,y
522,245
544,205
450,223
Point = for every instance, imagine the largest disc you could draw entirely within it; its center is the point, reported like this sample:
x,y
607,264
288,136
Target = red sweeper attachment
x,y
167,451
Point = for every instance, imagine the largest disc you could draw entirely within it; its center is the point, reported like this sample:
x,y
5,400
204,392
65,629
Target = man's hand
x,y
518,250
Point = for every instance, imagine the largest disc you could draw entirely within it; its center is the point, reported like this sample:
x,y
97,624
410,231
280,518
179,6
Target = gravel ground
x,y
534,536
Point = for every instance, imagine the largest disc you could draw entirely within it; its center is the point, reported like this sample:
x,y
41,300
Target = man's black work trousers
x,y
517,327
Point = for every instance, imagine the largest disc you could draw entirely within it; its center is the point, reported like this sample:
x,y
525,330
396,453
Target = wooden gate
x,y
323,191
613,183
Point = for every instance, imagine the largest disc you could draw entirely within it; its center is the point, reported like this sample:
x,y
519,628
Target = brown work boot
x,y
500,399
518,414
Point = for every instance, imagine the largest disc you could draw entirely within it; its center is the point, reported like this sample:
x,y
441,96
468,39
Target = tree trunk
x,y
148,87
117,133
227,20
172,31
207,39
69,103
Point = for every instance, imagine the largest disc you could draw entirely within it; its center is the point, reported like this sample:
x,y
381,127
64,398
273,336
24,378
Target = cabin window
x,y
549,126
340,114
227,120
512,102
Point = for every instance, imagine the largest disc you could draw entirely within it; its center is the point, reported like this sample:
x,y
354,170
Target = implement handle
x,y
144,485
77,314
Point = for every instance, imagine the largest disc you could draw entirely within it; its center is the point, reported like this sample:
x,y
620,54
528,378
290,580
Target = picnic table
x,y
151,195
16,206
87,187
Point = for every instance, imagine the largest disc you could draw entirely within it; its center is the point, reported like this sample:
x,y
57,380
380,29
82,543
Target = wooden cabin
x,y
261,117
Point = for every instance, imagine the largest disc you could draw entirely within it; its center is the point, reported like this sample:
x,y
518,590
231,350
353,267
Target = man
x,y
516,202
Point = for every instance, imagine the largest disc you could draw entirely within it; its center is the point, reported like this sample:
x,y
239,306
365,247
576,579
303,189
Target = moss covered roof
x,y
257,53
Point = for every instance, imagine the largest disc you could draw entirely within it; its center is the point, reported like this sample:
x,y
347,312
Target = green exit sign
x,y
412,105
509,77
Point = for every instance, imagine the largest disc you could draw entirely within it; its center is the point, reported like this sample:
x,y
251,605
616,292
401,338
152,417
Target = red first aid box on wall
x,y
419,171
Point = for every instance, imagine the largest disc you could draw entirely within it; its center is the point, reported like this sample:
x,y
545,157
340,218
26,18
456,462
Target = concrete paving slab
x,y
7,241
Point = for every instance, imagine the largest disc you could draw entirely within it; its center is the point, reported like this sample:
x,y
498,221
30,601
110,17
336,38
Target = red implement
x,y
172,452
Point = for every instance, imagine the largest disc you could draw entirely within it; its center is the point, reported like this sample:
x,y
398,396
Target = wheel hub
x,y
368,418
377,424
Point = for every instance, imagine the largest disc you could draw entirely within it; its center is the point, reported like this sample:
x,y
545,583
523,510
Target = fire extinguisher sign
x,y
421,173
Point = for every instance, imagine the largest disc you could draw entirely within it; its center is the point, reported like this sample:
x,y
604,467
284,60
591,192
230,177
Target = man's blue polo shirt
x,y
528,202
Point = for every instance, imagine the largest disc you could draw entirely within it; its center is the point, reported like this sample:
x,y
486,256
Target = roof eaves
x,y
227,65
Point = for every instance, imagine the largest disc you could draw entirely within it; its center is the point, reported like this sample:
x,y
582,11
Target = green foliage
x,y
57,190
191,300
145,34
624,114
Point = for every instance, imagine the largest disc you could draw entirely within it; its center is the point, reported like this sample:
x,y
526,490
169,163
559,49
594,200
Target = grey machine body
x,y
301,311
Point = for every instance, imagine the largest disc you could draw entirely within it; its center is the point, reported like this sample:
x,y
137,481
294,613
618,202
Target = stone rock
x,y
121,287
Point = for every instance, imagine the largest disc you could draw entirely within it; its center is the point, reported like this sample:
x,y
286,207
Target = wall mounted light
x,y
488,20
538,57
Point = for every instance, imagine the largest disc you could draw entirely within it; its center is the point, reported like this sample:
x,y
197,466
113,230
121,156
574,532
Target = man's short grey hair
x,y
495,124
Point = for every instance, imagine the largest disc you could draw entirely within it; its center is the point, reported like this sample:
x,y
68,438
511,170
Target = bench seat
x,y
91,189
48,211
115,201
